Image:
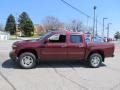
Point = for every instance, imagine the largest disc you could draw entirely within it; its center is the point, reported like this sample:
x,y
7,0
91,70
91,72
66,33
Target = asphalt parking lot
x,y
58,76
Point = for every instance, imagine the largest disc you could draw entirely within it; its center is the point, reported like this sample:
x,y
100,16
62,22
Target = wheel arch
x,y
101,52
28,50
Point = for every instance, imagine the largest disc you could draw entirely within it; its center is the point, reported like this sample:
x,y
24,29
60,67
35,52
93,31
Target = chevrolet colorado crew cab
x,y
60,46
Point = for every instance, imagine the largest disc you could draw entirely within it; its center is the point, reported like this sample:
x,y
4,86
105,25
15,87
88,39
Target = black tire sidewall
x,y
93,55
27,54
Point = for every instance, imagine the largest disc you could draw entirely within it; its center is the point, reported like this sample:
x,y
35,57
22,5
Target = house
x,y
38,28
4,35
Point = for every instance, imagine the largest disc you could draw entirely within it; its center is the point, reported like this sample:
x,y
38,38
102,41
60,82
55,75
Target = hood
x,y
24,42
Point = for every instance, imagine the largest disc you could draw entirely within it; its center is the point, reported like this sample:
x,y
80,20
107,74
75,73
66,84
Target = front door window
x,y
57,38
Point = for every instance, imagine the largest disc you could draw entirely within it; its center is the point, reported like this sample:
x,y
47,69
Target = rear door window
x,y
75,38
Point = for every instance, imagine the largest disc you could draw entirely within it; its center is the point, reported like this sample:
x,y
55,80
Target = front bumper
x,y
12,55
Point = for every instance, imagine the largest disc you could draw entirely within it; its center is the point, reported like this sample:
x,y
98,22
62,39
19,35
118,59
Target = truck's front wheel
x,y
95,60
27,60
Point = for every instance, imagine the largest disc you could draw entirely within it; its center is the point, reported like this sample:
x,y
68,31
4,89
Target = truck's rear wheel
x,y
27,60
95,60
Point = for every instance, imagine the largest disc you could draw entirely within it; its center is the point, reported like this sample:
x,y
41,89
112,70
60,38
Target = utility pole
x,y
108,28
96,27
103,27
94,22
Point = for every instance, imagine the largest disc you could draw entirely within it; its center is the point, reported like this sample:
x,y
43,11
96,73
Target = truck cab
x,y
63,46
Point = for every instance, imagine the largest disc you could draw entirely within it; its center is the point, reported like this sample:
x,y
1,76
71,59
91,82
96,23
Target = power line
x,y
83,13
78,10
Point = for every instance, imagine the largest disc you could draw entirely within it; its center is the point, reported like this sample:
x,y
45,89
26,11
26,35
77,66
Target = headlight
x,y
14,46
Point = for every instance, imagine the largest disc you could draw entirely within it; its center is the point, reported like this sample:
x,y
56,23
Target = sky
x,y
39,9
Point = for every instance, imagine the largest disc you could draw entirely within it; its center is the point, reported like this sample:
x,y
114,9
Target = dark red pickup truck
x,y
58,46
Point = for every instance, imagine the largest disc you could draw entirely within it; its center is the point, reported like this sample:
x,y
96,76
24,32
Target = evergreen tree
x,y
10,25
25,24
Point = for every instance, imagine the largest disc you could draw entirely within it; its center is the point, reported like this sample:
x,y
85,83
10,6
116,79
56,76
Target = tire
x,y
27,60
95,60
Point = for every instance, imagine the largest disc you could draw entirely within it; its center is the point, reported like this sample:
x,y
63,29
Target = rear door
x,y
76,47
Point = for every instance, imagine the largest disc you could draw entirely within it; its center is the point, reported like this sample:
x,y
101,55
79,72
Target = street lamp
x,y
108,27
103,26
94,21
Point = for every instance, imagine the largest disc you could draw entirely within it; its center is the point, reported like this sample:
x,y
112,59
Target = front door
x,y
55,48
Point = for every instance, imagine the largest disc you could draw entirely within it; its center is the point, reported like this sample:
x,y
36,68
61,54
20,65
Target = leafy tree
x,y
117,35
10,25
25,24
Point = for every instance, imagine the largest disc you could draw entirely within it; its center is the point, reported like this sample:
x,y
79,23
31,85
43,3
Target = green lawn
x,y
13,37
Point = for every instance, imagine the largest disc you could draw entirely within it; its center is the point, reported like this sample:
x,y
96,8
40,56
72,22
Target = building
x,y
88,36
4,35
38,28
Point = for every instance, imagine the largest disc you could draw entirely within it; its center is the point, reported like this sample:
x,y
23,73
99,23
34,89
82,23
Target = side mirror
x,y
46,41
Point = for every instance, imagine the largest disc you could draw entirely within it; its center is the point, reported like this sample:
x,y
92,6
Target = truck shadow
x,y
11,64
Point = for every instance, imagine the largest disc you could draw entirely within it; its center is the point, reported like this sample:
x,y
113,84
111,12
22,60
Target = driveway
x,y
58,76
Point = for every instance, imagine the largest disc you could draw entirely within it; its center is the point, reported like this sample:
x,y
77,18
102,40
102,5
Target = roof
x,y
59,31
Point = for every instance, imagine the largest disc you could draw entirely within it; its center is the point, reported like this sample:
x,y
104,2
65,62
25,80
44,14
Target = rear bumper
x,y
111,55
12,55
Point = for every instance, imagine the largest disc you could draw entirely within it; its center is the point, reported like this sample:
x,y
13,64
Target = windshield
x,y
45,35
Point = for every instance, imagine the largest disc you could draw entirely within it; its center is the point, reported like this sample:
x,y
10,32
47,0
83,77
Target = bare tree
x,y
52,23
75,25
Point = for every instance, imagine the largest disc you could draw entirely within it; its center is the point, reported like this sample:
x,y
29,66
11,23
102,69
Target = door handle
x,y
63,46
80,46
